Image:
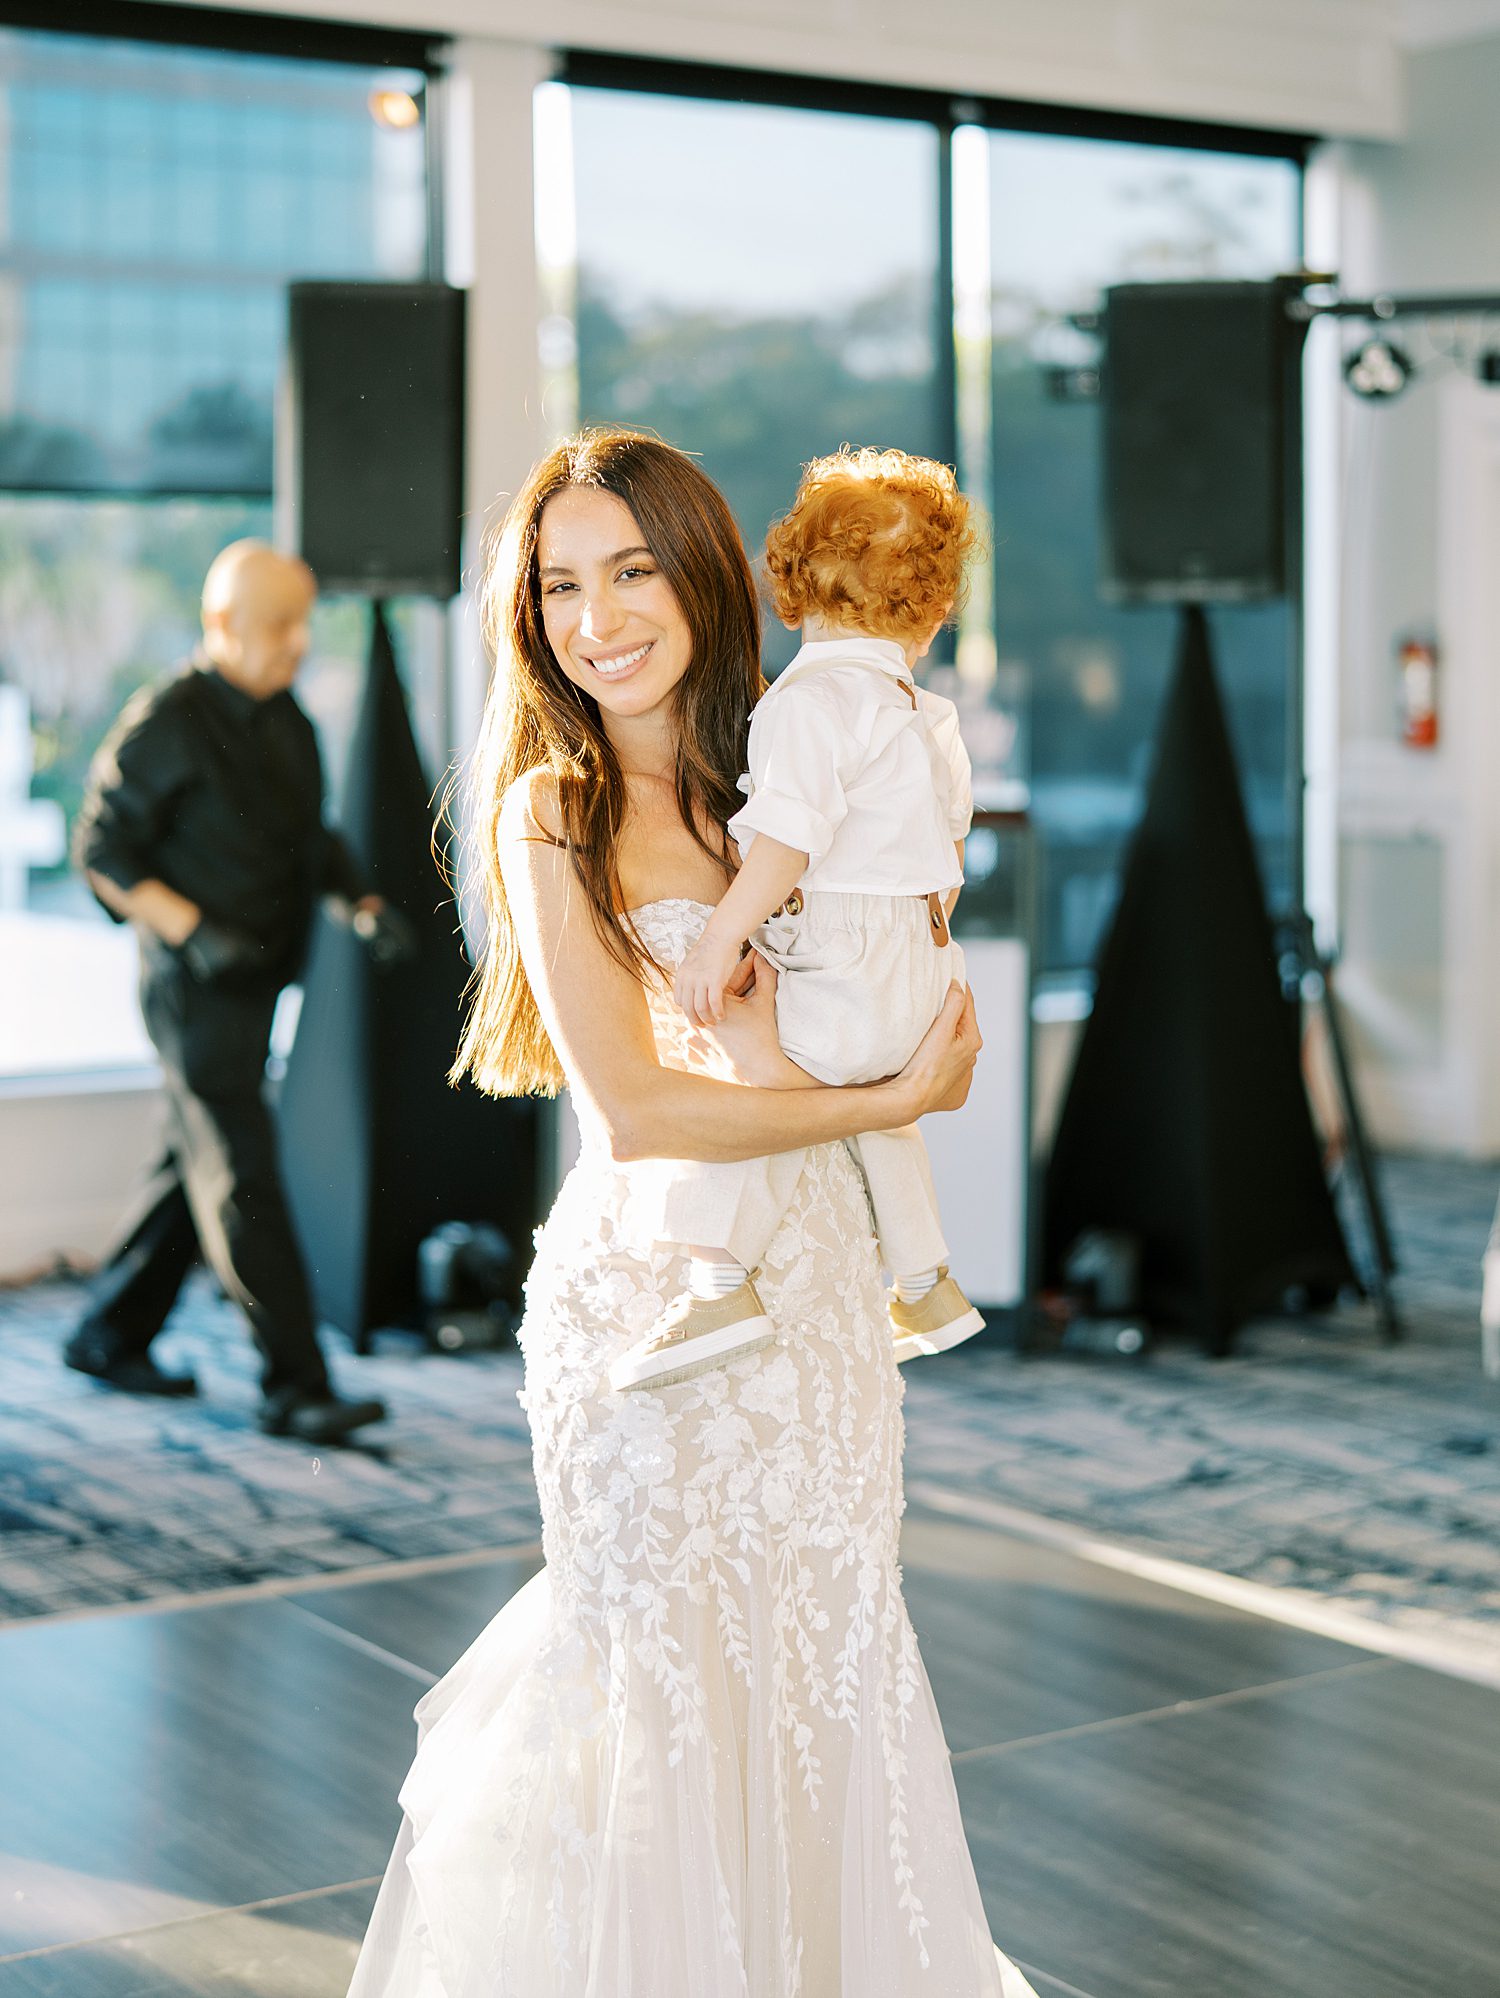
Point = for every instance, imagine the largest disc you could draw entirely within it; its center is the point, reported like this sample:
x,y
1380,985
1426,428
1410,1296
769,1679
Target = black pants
x,y
216,1192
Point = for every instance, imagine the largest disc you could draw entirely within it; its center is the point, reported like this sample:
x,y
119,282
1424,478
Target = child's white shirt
x,y
843,768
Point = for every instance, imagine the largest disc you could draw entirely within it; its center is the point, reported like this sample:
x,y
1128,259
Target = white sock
x,y
910,1288
714,1279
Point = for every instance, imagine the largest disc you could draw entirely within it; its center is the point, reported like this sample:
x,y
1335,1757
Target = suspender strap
x,y
937,919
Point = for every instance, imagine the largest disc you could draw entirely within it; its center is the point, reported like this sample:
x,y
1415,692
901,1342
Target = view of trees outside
x,y
766,290
1085,678
98,597
763,288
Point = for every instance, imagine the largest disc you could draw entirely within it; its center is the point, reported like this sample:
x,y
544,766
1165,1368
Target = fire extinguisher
x,y
1419,720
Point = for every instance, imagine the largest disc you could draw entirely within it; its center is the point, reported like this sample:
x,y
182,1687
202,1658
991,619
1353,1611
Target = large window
x,y
760,287
158,201
766,282
759,282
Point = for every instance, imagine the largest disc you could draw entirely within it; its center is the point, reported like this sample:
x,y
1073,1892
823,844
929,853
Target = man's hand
x,y
215,951
152,904
708,969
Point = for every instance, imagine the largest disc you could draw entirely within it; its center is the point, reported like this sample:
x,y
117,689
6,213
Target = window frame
x,y
599,70
233,33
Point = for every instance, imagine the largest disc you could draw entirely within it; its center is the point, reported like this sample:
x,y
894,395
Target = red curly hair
x,y
877,541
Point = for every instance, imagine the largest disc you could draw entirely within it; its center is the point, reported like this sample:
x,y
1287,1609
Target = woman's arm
x,y
596,1015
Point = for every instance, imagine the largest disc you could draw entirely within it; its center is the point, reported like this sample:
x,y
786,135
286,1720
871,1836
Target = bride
x,y
697,1756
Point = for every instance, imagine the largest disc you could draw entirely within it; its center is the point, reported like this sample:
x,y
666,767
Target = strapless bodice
x,y
669,928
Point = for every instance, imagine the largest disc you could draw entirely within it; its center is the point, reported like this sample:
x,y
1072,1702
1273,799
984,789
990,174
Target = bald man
x,y
203,828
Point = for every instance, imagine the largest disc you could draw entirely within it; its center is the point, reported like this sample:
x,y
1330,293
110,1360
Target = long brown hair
x,y
537,718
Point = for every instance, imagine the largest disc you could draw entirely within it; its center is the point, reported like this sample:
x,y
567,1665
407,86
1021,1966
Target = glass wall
x,y
157,201
695,296
1084,679
765,283
762,286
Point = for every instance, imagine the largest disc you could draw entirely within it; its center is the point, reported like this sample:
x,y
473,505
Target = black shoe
x,y
316,1418
138,1374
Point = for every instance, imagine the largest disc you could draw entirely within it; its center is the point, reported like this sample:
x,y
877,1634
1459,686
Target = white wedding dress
x,y
697,1756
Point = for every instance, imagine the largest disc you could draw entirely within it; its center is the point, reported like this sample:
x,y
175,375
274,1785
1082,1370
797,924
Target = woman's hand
x,y
938,1075
744,1046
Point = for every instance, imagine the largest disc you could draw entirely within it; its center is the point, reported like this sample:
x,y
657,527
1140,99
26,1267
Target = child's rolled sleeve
x,y
793,821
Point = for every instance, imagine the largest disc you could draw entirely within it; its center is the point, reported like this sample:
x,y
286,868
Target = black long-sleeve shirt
x,y
220,795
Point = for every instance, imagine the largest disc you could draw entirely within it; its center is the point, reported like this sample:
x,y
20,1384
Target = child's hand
x,y
745,1047
709,967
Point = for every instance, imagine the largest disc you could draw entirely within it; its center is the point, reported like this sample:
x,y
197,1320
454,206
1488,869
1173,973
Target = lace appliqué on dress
x,y
698,1756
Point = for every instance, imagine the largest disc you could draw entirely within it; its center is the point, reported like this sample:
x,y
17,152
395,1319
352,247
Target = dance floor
x,y
1360,1482
1166,1797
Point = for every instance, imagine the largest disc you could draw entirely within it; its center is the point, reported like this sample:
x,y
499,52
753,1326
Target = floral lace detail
x,y
725,1699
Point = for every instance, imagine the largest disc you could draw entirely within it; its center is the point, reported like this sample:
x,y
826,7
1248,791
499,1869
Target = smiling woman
x,y
608,620
615,542
698,1757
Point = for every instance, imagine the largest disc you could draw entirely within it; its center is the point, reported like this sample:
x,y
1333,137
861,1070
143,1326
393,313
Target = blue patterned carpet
x,y
1315,1460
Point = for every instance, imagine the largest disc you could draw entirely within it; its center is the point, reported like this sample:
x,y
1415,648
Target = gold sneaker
x,y
943,1318
696,1335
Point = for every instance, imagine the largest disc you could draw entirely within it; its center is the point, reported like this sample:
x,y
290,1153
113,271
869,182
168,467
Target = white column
x,y
1468,618
490,249
1323,546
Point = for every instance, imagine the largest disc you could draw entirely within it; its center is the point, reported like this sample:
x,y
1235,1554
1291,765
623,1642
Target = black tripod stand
x,y
1307,973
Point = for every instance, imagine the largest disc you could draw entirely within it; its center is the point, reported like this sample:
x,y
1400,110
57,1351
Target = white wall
x,y
1420,835
70,1153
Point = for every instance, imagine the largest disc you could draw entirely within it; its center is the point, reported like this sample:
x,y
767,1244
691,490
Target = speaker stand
x,y
1309,967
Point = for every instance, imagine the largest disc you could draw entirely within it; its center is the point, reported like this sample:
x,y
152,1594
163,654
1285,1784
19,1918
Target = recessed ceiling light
x,y
397,109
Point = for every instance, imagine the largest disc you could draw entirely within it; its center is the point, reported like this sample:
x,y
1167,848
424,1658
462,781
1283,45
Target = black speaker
x,y
379,1151
1187,1125
370,436
1202,441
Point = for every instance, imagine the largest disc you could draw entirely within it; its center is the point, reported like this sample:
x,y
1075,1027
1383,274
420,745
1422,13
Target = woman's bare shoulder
x,y
531,808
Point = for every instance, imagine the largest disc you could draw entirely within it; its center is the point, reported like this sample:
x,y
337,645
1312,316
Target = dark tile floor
x,y
1164,1796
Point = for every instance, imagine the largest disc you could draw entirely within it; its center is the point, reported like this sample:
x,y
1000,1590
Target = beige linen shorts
x,y
863,981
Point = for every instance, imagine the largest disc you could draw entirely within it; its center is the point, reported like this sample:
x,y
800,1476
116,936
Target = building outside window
x,y
154,204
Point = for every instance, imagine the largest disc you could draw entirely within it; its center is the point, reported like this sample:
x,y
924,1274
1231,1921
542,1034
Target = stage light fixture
x,y
396,109
1378,370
